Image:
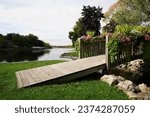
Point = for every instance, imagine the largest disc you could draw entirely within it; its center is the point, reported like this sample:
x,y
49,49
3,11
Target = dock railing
x,y
99,47
94,48
125,54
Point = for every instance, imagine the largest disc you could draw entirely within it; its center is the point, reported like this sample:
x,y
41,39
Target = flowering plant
x,y
147,37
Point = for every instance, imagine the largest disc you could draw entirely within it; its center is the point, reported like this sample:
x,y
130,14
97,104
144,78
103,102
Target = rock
x,y
131,94
110,79
120,79
137,89
147,96
126,85
143,96
131,70
122,66
143,87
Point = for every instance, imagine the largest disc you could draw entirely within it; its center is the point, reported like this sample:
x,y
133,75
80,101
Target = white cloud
x,y
51,20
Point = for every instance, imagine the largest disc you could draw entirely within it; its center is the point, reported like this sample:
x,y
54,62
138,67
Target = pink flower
x,y
147,37
88,38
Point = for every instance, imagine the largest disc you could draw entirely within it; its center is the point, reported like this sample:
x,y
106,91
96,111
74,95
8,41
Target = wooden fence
x,y
125,54
98,47
88,49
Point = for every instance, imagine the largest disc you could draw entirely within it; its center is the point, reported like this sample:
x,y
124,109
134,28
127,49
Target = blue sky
x,y
50,20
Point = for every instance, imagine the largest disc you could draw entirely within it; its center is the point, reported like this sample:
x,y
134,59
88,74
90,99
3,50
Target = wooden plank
x,y
52,72
79,74
29,77
39,74
34,75
24,79
19,81
64,70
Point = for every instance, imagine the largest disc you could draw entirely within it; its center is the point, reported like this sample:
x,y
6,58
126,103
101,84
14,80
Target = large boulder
x,y
143,87
120,79
110,79
131,70
126,85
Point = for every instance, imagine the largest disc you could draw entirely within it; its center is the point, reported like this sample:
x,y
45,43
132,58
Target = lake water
x,y
28,55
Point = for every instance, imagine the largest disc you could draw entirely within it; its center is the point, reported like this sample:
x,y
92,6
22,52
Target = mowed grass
x,y
75,90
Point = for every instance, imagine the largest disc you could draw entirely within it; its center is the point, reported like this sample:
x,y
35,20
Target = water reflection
x,y
16,55
19,55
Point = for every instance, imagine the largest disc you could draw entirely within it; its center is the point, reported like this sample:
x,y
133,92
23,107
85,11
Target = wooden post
x,y
107,55
80,48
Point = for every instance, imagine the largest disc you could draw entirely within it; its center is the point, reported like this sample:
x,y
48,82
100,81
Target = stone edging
x,y
139,92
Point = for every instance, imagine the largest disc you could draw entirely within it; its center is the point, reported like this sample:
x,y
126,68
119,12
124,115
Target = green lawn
x,y
85,89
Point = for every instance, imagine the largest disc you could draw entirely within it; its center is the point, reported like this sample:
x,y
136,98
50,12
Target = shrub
x,y
90,33
124,29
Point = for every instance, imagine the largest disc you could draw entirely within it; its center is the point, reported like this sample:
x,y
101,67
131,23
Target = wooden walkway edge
x,y
60,72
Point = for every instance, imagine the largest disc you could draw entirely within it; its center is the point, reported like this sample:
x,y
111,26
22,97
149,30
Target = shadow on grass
x,y
91,77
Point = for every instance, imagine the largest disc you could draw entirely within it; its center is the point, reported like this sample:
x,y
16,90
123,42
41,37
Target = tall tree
x,y
89,21
91,17
132,12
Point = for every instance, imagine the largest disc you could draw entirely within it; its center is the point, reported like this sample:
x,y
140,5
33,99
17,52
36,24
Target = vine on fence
x,y
89,40
126,38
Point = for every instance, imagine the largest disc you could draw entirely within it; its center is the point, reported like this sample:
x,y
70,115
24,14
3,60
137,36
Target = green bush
x,y
124,29
90,33
125,37
77,46
113,46
142,29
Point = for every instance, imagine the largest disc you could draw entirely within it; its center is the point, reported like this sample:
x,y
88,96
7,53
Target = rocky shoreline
x,y
68,56
125,77
134,91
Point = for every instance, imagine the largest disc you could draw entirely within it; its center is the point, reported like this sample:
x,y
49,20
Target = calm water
x,y
28,55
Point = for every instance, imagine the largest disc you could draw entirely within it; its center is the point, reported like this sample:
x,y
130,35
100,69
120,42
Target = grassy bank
x,y
85,89
71,55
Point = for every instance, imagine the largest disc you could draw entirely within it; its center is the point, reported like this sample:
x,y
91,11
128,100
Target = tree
x,y
131,12
31,40
77,31
89,21
1,40
16,40
110,26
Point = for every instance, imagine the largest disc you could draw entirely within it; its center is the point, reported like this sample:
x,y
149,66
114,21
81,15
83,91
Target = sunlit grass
x,y
77,90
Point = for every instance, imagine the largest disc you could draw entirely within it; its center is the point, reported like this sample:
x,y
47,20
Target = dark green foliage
x,y
15,40
77,31
127,39
90,21
91,17
113,46
110,26
146,52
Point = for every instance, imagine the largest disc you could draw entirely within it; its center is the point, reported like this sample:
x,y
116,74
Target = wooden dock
x,y
60,72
